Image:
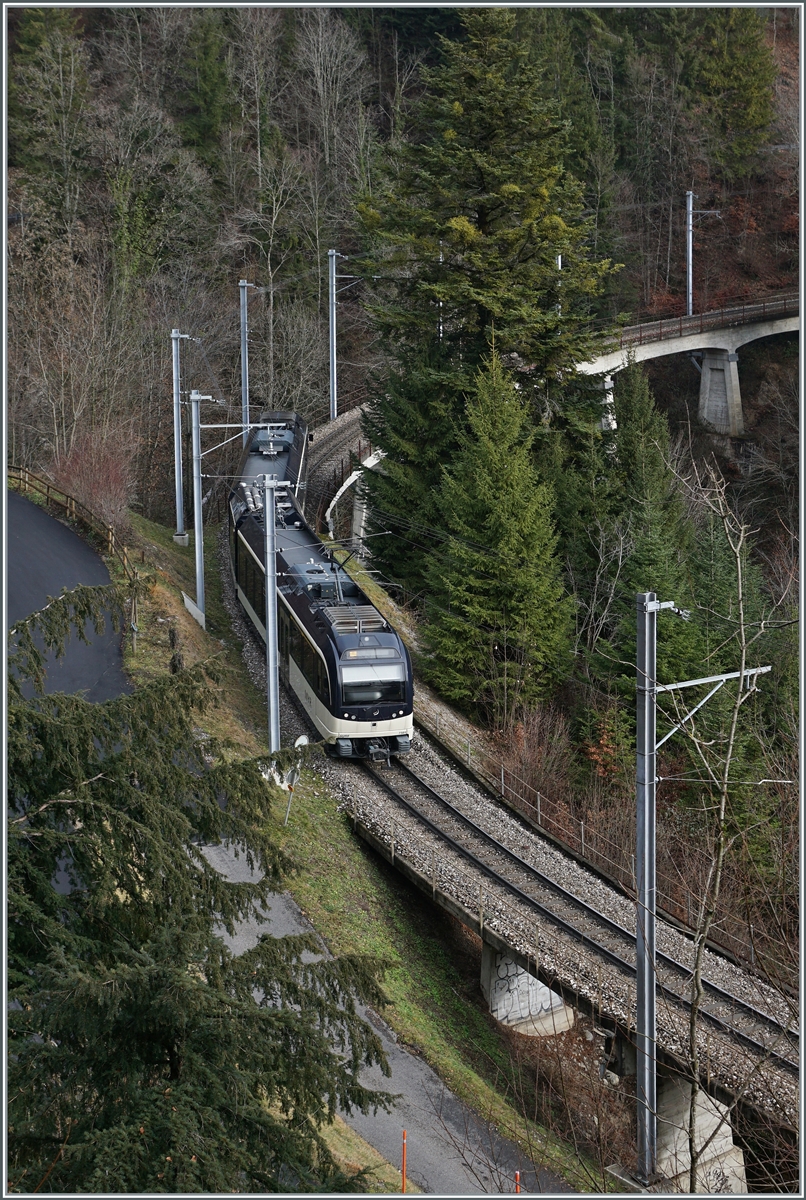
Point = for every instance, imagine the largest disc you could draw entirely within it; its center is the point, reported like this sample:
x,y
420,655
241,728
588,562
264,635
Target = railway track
x,y
332,443
759,1029
478,856
748,1044
591,885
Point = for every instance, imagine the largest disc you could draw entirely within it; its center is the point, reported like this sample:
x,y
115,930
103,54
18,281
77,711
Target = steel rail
x,y
720,993
482,778
600,950
756,1014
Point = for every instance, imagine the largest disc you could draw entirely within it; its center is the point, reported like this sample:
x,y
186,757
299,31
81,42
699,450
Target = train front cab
x,y
375,697
358,711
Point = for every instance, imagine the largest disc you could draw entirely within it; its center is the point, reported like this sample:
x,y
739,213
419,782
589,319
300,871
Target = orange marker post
x,y
403,1169
517,1182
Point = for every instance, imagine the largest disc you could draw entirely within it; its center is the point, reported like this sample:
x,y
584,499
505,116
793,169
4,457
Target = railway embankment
x,y
357,903
735,1068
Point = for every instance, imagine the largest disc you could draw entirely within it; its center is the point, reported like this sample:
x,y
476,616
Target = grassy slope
x,y
355,901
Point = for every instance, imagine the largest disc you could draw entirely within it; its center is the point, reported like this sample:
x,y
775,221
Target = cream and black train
x,y
347,666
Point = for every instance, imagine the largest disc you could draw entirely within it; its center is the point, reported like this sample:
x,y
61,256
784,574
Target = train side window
x,y
260,594
243,566
311,665
255,586
296,646
322,689
307,661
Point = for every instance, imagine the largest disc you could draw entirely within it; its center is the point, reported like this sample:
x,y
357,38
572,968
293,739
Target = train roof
x,y
276,446
307,571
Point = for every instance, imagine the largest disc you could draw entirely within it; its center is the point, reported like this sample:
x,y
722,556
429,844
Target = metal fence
x,y
720,318
613,857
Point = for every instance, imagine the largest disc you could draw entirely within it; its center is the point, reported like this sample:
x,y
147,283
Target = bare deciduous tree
x,y
716,744
255,71
612,544
330,81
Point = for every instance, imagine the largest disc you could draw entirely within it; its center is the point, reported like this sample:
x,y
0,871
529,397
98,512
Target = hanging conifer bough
x,y
144,1056
466,232
497,622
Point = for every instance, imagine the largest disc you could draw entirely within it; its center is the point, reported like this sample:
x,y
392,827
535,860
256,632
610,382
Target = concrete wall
x,y
519,1000
721,1168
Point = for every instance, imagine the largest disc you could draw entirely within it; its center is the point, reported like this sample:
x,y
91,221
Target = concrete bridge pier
x,y
720,398
608,420
721,1168
519,1000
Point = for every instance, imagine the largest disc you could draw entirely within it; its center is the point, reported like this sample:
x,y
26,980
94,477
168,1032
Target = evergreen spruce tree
x,y
576,459
466,233
144,1057
662,535
203,96
416,443
725,68
497,632
736,77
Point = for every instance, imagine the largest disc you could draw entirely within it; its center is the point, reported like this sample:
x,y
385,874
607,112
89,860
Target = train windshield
x,y
370,683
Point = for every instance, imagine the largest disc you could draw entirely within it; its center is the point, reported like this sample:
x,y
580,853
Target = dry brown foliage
x,y
99,471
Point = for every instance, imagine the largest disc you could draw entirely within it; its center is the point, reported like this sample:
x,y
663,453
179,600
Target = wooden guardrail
x,y
25,480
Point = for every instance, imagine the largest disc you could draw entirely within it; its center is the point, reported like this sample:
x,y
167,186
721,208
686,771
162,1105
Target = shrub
x,y
99,471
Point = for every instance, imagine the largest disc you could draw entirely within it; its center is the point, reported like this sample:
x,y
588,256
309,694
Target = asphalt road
x,y
42,557
450,1152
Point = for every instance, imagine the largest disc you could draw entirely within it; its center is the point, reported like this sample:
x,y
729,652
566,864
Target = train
x,y
346,665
